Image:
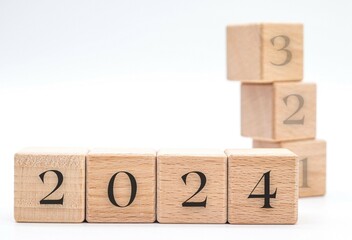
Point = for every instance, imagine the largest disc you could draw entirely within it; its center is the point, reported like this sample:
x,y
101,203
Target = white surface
x,y
199,112
122,74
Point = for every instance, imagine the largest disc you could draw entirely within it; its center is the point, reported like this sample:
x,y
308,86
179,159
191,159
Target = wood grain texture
x,y
172,191
257,110
251,54
266,107
244,52
245,169
30,189
314,151
102,164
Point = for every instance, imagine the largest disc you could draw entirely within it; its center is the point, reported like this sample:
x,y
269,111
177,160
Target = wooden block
x,y
312,164
50,185
279,111
192,186
263,186
265,52
121,185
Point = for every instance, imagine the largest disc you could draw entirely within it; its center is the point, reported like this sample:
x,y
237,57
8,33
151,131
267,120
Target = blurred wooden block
x,y
121,185
262,186
192,186
279,111
265,52
312,156
50,185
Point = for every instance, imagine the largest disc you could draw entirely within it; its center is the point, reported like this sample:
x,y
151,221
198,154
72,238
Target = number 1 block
x,y
262,186
192,186
265,52
312,164
50,185
279,111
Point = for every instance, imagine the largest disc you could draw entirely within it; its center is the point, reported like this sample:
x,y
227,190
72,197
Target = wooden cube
x,y
312,164
192,186
50,185
279,111
265,52
263,186
121,185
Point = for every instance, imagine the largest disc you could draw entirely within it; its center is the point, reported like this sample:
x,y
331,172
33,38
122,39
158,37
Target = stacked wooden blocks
x,y
277,110
252,186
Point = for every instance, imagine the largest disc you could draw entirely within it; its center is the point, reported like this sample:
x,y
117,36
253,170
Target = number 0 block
x,y
279,111
265,52
192,186
312,164
121,185
263,186
50,185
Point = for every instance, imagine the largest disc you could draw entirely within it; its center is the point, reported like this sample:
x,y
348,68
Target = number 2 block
x,y
265,52
192,186
312,164
50,185
121,185
278,111
262,186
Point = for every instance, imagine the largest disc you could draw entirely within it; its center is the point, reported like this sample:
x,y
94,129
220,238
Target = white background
x,y
153,74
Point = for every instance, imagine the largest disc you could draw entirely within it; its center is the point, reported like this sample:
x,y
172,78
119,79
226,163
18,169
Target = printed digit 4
x,y
267,196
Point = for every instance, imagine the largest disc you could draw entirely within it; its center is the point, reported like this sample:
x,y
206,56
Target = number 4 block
x,y
262,186
279,111
265,52
50,185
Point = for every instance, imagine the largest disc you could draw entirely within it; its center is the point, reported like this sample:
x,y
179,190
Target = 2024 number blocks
x,y
253,186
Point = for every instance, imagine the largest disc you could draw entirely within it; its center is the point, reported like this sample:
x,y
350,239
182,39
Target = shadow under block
x,y
192,186
312,164
262,186
265,52
121,185
50,185
278,111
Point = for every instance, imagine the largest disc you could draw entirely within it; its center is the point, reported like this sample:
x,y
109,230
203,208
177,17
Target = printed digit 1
x,y
304,163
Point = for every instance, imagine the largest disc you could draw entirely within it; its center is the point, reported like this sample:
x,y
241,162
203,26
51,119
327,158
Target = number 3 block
x,y
265,52
279,111
50,185
121,185
263,186
192,186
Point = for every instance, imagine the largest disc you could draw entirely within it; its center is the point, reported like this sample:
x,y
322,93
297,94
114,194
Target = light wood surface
x,y
245,170
244,52
265,52
102,165
279,111
312,161
31,188
173,191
